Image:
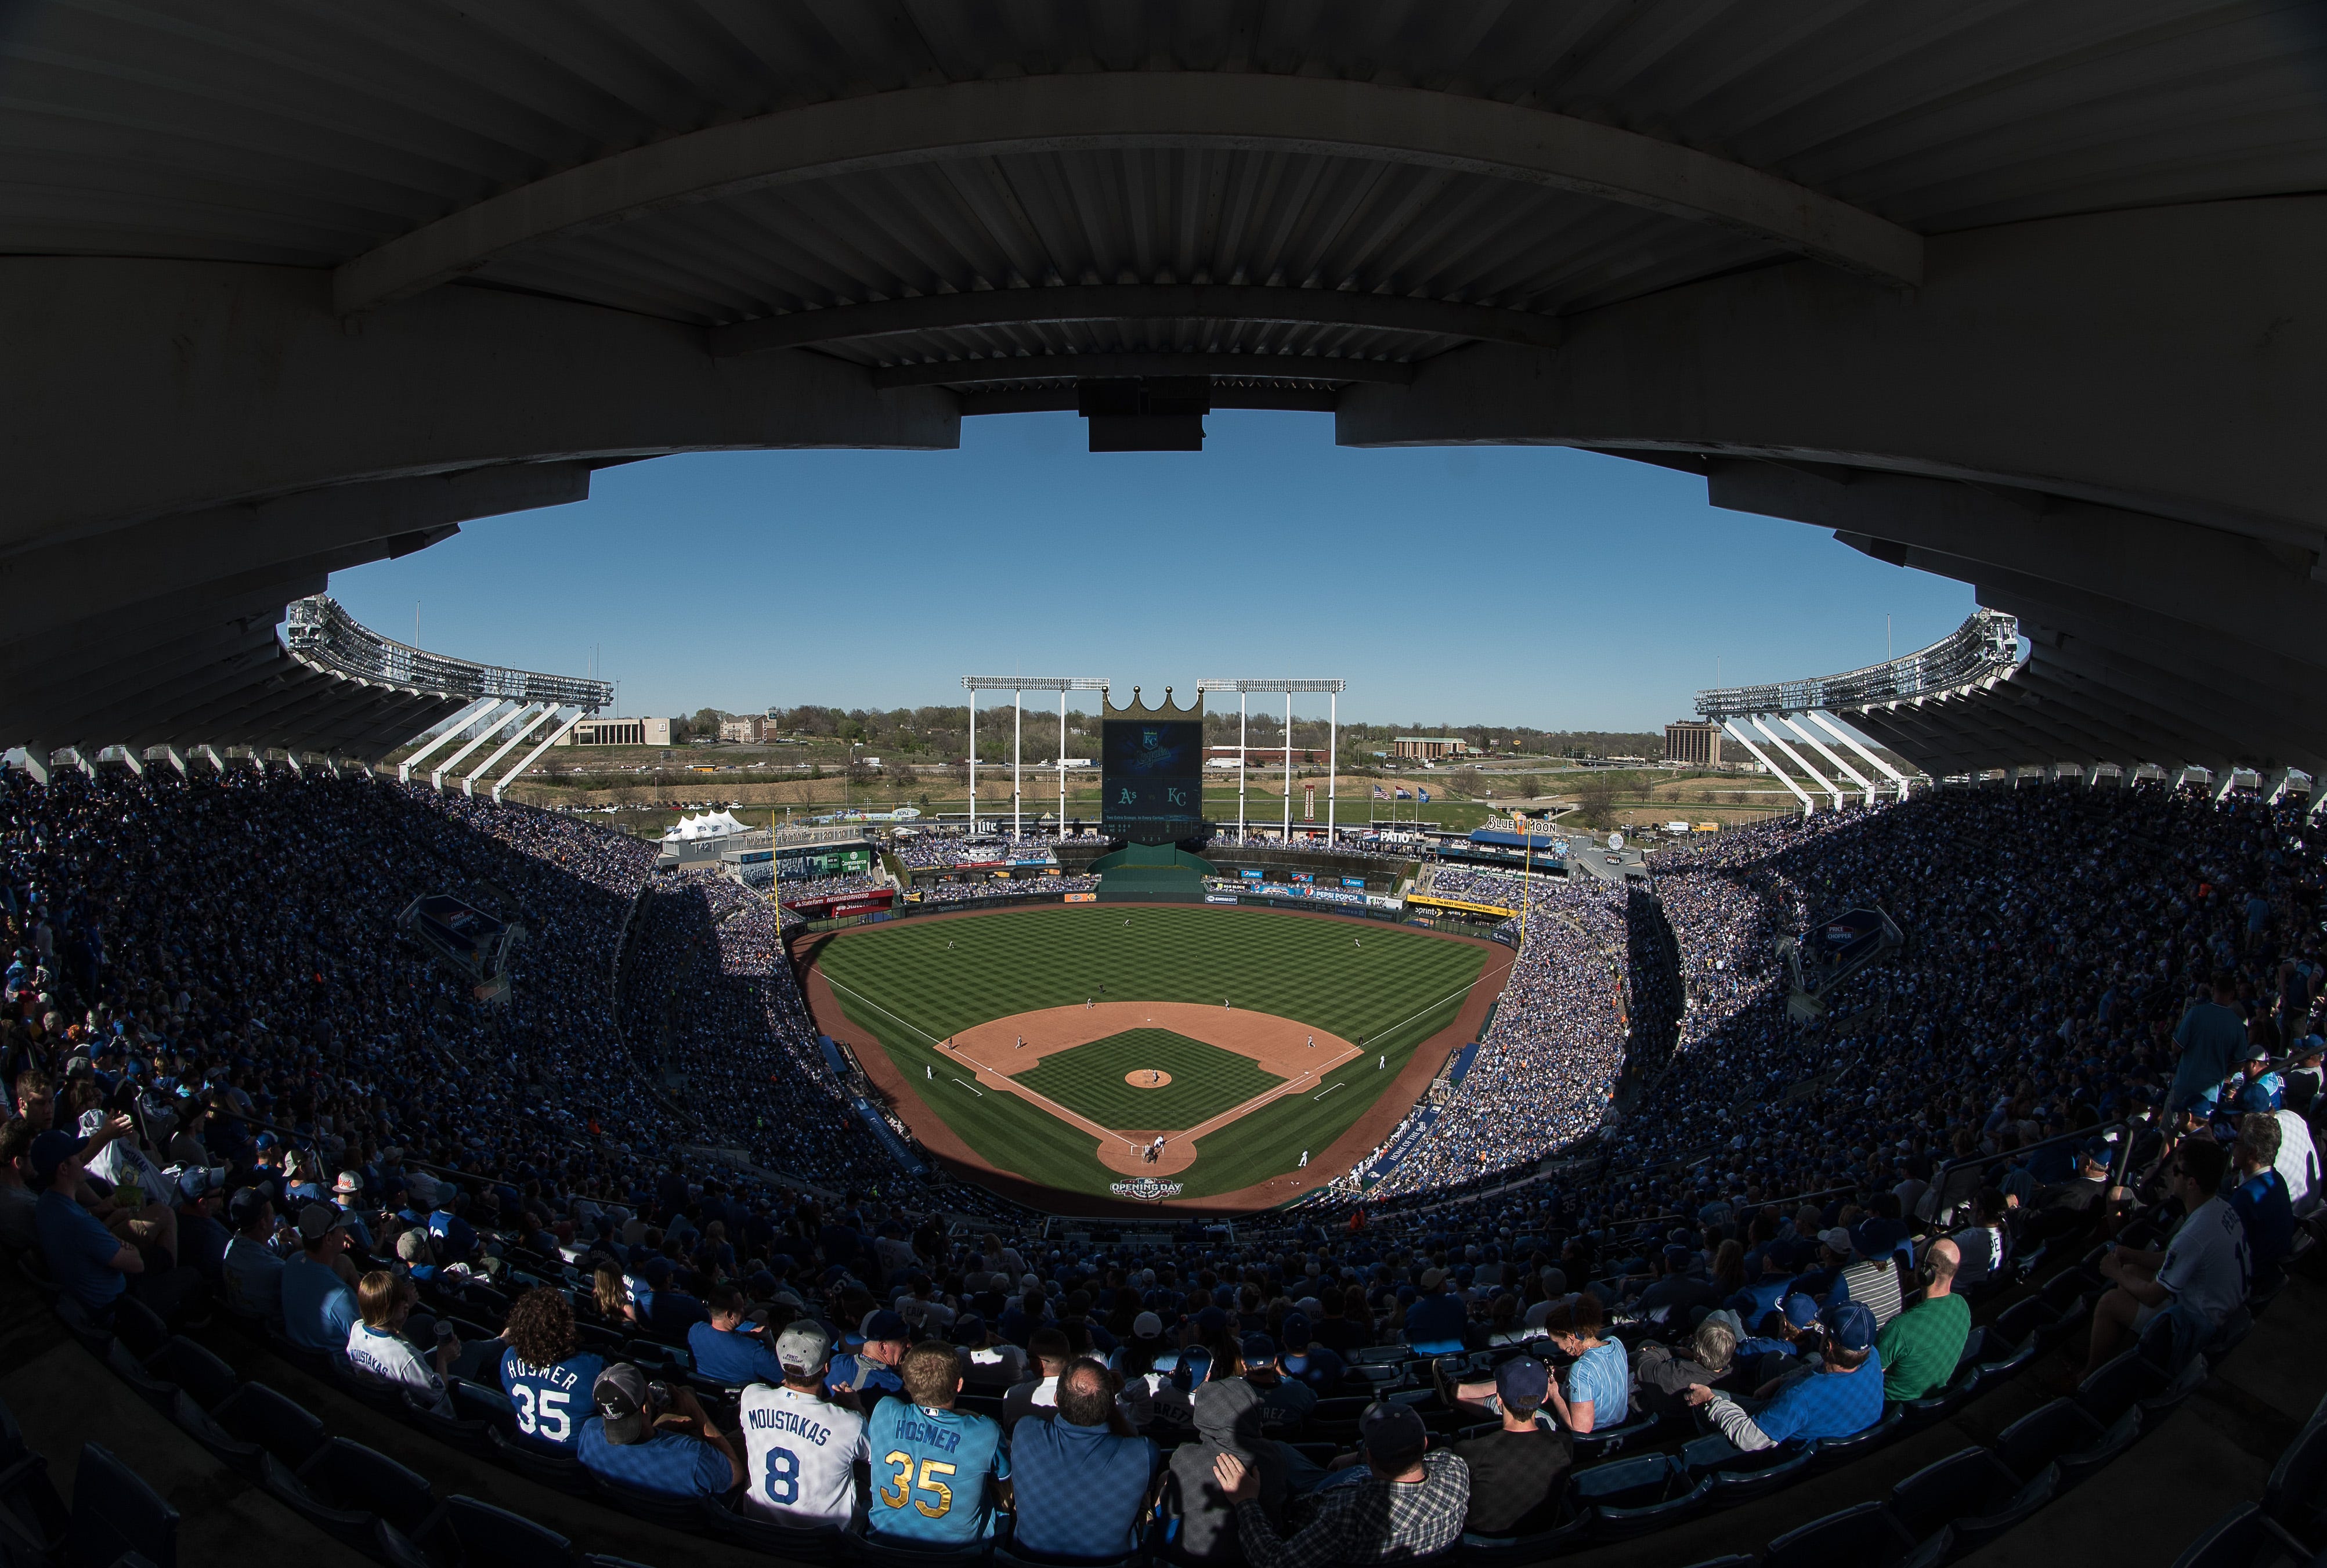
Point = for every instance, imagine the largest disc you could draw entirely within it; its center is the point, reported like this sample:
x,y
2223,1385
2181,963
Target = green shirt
x,y
1920,1346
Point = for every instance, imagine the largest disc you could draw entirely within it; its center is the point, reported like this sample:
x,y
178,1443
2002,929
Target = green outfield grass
x,y
1090,1081
913,983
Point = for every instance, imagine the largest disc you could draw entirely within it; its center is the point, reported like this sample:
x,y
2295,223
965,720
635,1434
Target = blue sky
x,y
1521,585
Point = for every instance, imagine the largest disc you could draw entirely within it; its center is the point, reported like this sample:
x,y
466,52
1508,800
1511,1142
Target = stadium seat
x,y
1731,1485
95,1340
114,1512
1622,1524
317,1364
2155,1407
1615,1440
1830,1454
35,1269
548,1467
155,1391
348,1475
194,1370
1623,1483
478,1402
2007,1367
34,1518
353,1525
1862,1536
1977,1530
11,1438
240,1457
2118,1437
2237,1324
139,1327
2021,1320
811,1544
464,1434
1735,1559
1519,1551
477,1535
858,1546
2114,1386
2297,1495
256,1414
1970,1482
673,1513
2229,1542
2030,1444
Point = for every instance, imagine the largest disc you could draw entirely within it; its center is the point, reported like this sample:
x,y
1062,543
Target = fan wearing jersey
x,y
724,1349
799,1447
379,1351
546,1375
931,1463
655,1439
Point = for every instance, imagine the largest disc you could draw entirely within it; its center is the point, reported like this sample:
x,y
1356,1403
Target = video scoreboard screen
x,y
1153,773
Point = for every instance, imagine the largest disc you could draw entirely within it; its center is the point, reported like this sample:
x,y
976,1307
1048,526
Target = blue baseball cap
x,y
1523,1381
1849,1325
1802,1311
1258,1349
1295,1332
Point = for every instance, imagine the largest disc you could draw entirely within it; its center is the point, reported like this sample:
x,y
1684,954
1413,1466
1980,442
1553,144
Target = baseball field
x,y
1082,1047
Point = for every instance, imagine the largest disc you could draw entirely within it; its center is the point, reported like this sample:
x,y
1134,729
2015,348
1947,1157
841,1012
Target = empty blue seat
x,y
548,1467
2229,1542
2297,1495
2032,1442
1624,1483
206,1378
1970,1482
1863,1537
1730,1486
2117,1385
114,1512
485,1537
2114,1440
1612,1523
138,1326
808,1544
284,1428
349,1475
157,1391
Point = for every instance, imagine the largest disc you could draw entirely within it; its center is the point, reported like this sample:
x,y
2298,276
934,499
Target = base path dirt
x,y
1285,1047
1364,1134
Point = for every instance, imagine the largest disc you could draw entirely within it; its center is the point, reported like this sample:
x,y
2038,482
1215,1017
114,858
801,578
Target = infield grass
x,y
913,983
1093,1079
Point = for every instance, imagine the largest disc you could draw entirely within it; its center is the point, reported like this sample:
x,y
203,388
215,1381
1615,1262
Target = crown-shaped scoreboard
x,y
1152,770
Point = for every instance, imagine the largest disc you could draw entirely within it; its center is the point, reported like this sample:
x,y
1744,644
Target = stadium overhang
x,y
2023,297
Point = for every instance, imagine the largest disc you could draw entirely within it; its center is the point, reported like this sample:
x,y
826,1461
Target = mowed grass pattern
x,y
1092,1080
913,983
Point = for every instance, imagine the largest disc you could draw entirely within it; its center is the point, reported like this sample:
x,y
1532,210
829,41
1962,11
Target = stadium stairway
x,y
62,1398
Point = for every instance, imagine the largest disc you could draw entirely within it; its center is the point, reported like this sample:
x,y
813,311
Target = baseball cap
x,y
245,1205
1802,1311
880,1323
1393,1433
1677,1256
969,1331
1146,1326
412,1247
804,1348
2257,1051
1878,1236
52,1149
317,1220
1432,1278
200,1180
348,1182
2096,1152
1837,1238
1258,1349
1849,1325
1522,1380
621,1399
1294,1330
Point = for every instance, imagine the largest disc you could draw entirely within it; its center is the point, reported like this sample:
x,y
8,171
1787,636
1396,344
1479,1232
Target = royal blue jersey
x,y
669,1464
551,1403
730,1357
930,1470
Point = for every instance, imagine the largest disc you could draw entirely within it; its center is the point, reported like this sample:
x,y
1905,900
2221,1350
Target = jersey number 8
x,y
552,1423
904,1484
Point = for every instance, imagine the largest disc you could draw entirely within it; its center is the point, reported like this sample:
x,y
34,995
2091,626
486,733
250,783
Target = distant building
x,y
752,727
1427,748
1693,743
620,732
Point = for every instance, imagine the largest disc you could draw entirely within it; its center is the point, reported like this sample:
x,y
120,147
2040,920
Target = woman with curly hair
x,y
546,1375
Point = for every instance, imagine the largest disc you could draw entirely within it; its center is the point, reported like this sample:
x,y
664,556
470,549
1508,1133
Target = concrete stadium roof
x,y
2052,257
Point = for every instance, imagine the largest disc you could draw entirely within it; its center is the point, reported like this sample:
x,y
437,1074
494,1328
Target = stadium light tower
x,y
1018,686
1333,690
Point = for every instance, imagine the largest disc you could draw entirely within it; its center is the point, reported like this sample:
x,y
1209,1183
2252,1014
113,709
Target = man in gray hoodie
x,y
1228,1421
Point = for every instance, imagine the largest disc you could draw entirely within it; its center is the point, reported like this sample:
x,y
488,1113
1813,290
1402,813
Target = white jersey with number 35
x,y
798,1450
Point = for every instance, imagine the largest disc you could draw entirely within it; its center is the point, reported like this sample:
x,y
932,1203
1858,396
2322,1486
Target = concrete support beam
x,y
1731,728
36,762
1832,757
175,758
501,716
453,726
1825,722
2207,414
1133,111
133,758
1812,774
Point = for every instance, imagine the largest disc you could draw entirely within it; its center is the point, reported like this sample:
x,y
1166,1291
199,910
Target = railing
x,y
1987,644
319,632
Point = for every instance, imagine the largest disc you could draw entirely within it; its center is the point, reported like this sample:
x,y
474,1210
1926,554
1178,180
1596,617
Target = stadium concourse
x,y
322,1176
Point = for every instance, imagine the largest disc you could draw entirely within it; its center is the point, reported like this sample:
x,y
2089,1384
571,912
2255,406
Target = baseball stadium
x,y
453,1120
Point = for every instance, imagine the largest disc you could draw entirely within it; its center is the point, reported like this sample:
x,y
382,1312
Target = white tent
x,y
710,824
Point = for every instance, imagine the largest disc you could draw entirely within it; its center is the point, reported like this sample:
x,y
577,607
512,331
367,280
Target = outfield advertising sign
x,y
1146,1190
1250,873
1082,898
1353,882
1219,898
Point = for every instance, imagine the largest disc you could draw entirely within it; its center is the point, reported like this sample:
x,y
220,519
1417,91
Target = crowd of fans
x,y
232,1079
809,889
1014,887
931,850
1477,887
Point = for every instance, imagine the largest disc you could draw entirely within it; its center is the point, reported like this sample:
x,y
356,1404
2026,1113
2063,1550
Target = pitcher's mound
x,y
1144,1077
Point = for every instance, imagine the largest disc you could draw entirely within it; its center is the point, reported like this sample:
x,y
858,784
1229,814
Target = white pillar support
x,y
1731,728
533,756
175,758
134,759
460,721
1017,740
1829,753
500,715
1062,763
539,711
291,761
1242,698
1812,774
2223,780
1853,742
1333,762
973,763
2273,787
210,751
1288,770
39,756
